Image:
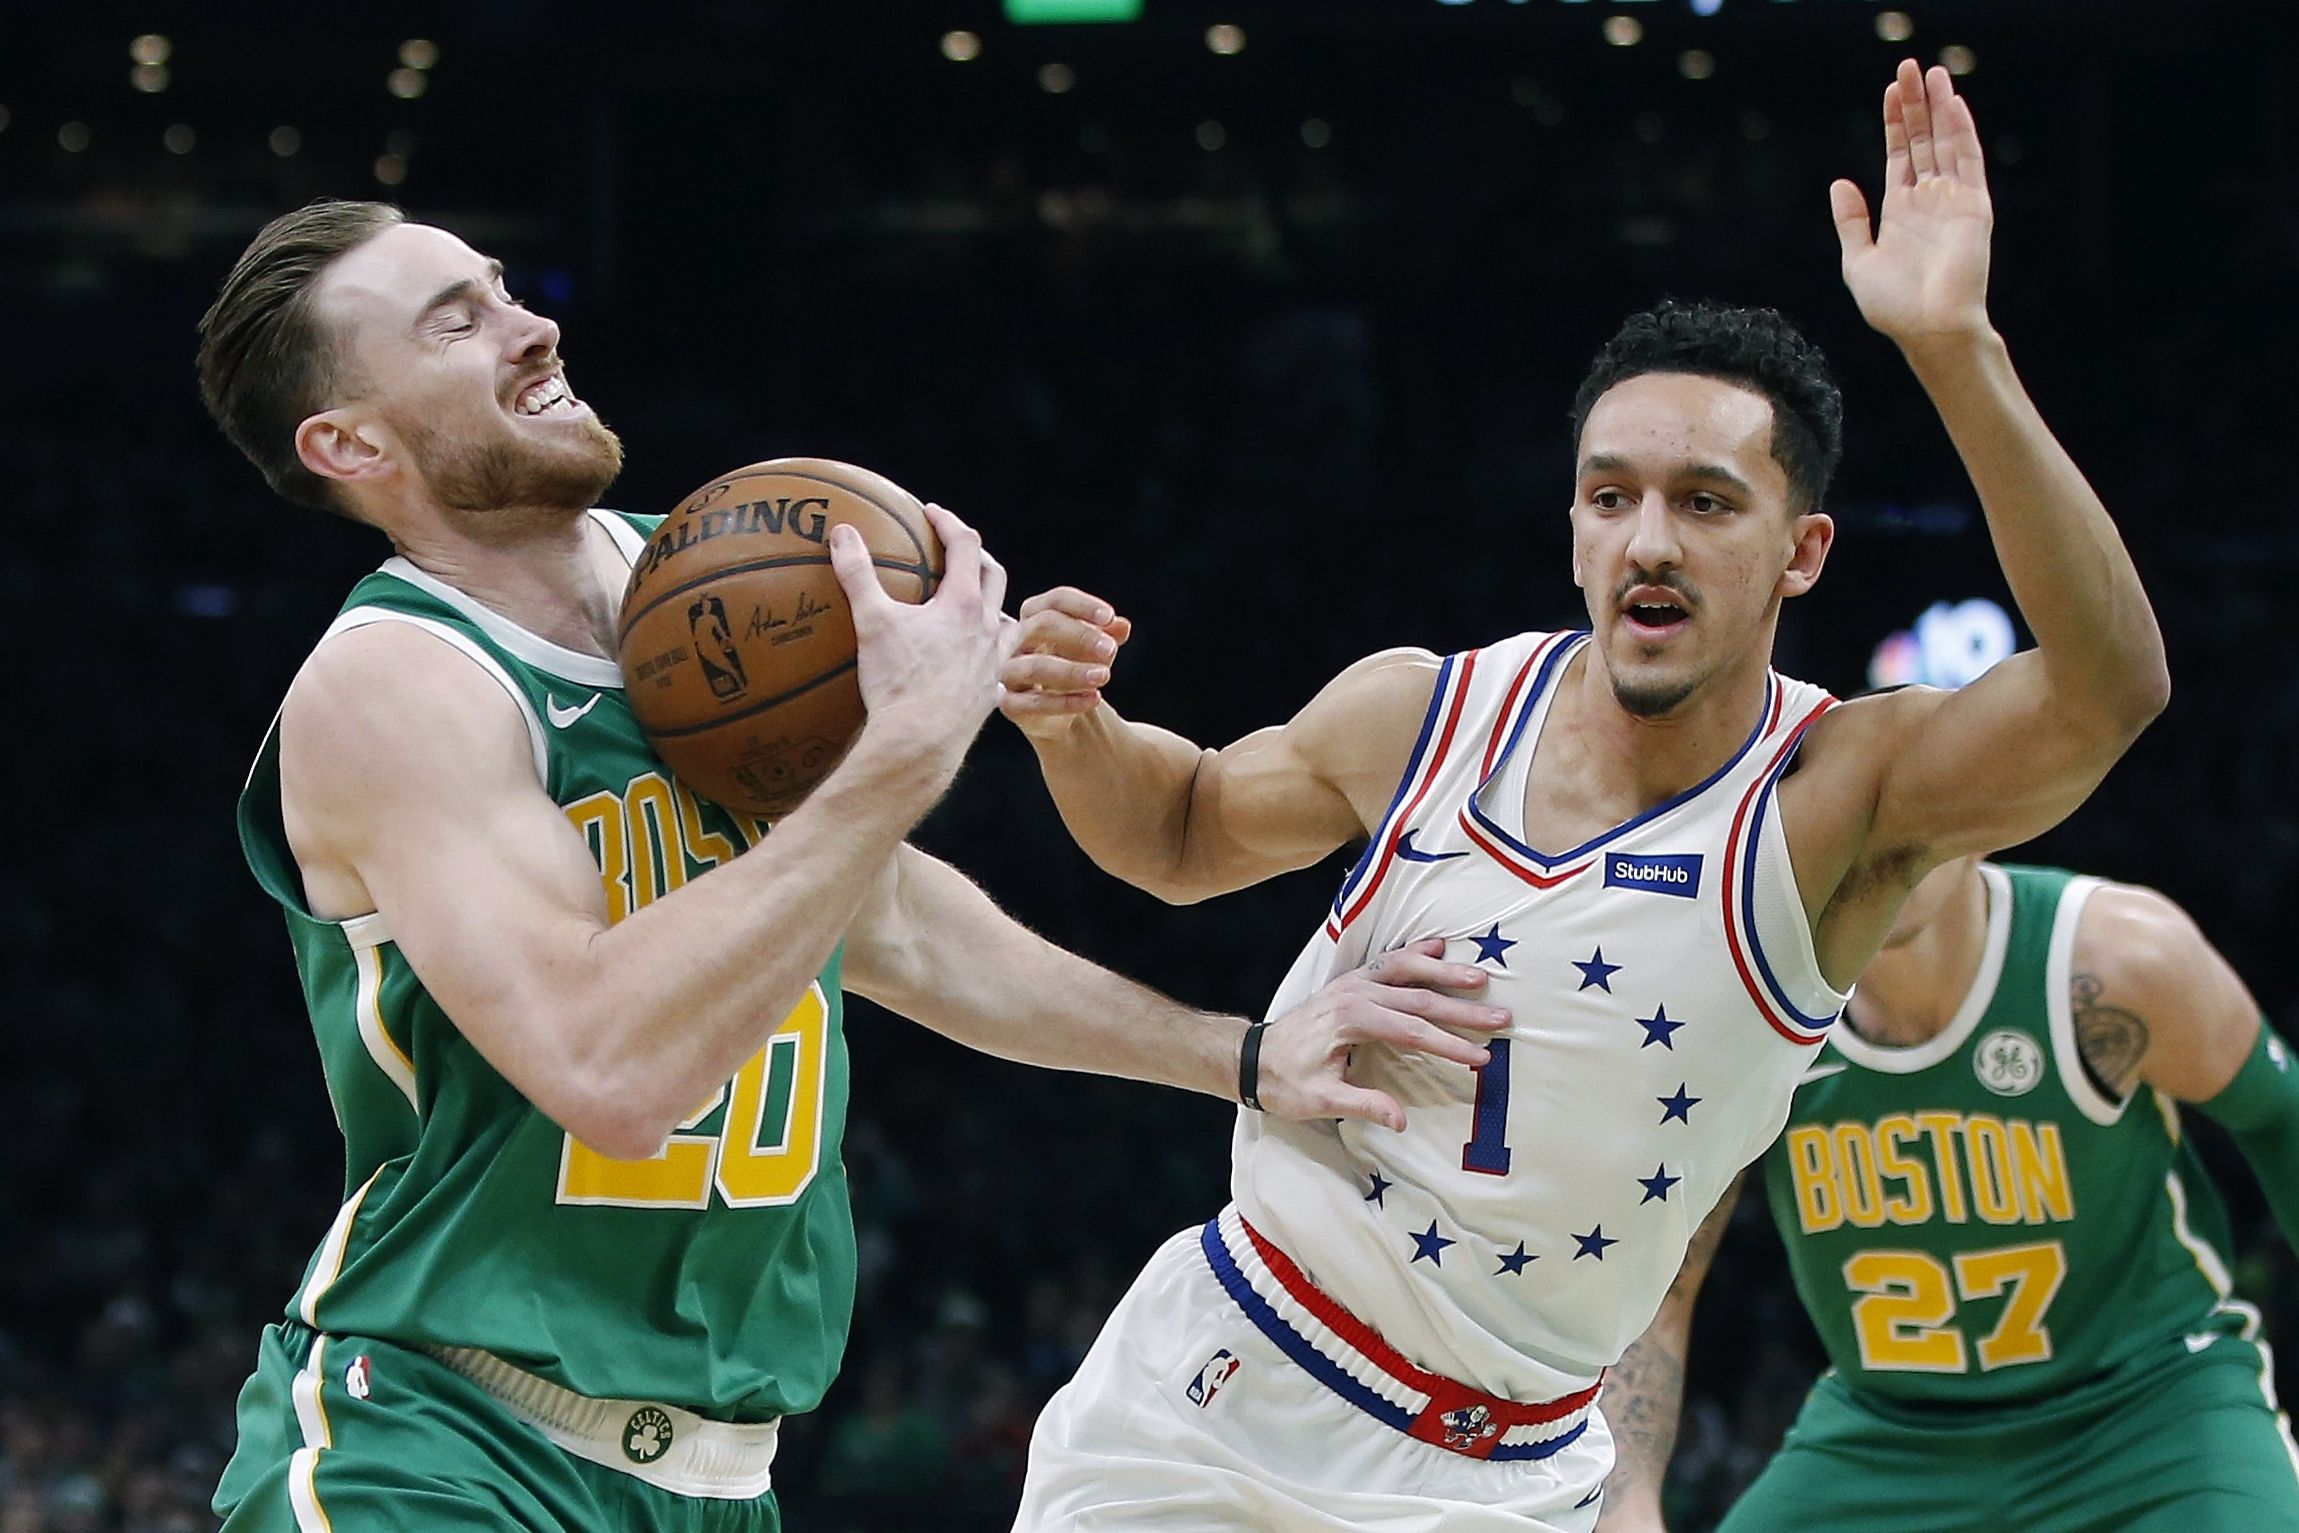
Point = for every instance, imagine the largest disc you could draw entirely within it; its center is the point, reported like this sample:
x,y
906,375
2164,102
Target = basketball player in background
x,y
1407,1330
2016,1261
596,1237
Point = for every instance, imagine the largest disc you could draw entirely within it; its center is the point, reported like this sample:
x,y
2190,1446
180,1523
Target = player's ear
x,y
341,444
1815,534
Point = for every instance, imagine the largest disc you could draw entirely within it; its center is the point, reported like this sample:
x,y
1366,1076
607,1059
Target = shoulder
x,y
1389,688
374,701
2152,1000
2136,935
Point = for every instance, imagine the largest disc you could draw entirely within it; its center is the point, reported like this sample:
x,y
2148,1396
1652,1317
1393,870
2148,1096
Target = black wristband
x,y
1249,1066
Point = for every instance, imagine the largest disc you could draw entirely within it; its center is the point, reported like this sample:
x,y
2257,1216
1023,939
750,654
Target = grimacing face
x,y
1684,536
460,379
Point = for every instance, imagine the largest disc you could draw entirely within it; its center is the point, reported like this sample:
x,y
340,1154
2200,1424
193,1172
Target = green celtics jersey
x,y
1971,1219
718,1275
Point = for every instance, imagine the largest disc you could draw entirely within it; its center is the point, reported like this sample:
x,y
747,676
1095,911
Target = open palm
x,y
1923,270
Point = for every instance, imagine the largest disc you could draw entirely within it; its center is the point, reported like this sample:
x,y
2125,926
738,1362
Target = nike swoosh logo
x,y
561,717
1406,851
1820,1073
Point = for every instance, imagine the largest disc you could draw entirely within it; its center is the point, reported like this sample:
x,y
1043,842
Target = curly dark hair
x,y
1755,348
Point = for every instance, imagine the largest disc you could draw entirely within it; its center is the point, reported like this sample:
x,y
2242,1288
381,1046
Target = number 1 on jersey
x,y
1487,1150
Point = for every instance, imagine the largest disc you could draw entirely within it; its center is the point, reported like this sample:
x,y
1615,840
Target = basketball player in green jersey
x,y
2015,1260
596,1236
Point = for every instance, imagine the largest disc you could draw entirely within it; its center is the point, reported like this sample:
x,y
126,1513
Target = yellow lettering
x,y
1943,1127
1989,1156
602,823
1818,1205
2042,1173
1902,1318
1856,1169
1915,1205
2034,1274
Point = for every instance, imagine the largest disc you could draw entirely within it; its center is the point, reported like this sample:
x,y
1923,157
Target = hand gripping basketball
x,y
1393,1000
931,667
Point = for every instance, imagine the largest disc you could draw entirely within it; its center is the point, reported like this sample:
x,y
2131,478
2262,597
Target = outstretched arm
x,y
1644,1392
2011,755
2154,1004
931,945
1183,822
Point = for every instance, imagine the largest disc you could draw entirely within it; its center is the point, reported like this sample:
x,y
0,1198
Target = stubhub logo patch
x,y
1675,873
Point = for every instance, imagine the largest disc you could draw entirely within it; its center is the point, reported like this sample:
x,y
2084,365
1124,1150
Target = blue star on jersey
x,y
1381,1184
1592,1244
1678,1107
1657,1027
1656,1185
1513,1262
1492,945
1596,971
1430,1244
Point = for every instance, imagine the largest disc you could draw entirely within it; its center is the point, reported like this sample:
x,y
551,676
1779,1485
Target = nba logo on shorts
x,y
1212,1376
355,1379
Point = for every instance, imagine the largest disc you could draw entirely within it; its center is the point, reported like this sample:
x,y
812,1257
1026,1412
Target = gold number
x,y
765,1152
1903,1319
2034,1273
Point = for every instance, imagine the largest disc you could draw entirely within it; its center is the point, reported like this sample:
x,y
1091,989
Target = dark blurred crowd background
x,y
1270,344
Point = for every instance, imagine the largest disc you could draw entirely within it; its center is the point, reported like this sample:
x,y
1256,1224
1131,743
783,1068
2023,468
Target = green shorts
x,y
2181,1443
343,1434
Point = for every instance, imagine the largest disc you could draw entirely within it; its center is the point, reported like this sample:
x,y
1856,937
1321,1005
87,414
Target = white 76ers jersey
x,y
1524,1228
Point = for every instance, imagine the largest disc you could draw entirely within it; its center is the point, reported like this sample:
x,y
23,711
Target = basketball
x,y
736,645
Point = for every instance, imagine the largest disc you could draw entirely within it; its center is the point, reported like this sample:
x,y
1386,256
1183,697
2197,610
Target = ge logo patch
x,y
2008,1062
647,1436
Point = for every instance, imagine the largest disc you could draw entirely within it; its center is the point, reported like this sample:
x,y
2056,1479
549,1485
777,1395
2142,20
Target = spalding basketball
x,y
737,647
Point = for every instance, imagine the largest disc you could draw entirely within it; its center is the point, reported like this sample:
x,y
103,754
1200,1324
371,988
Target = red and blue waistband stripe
x,y
1738,889
1444,1396
1364,880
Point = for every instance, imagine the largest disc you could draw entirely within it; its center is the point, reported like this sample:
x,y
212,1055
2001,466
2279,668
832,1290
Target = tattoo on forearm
x,y
1643,1397
2111,1040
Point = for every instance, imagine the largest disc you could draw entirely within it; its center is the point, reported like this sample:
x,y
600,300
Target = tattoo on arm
x,y
1643,1397
2111,1040
1644,1391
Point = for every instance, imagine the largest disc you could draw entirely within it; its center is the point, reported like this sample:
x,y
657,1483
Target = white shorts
x,y
1186,1416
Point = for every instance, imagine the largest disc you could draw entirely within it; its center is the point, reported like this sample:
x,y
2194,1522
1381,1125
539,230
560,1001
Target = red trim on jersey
x,y
1445,1395
1729,886
1404,816
1502,720
1514,864
1779,701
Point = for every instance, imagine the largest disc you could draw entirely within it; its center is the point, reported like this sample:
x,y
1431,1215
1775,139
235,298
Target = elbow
x,y
613,1123
2152,694
610,1111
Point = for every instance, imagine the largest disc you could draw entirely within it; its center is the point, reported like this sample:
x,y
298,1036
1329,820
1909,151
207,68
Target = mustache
x,y
1669,581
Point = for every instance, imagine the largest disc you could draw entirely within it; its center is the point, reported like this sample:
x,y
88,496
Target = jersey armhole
x,y
2059,966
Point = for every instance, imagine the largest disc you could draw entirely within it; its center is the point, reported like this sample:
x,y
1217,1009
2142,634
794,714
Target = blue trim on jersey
x,y
1330,1373
1290,1341
1748,899
1412,765
1545,859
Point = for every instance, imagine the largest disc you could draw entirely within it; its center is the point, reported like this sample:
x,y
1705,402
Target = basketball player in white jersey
x,y
1670,860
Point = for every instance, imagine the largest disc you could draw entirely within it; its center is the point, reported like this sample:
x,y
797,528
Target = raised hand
x,y
1392,1000
1062,658
933,666
1922,273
